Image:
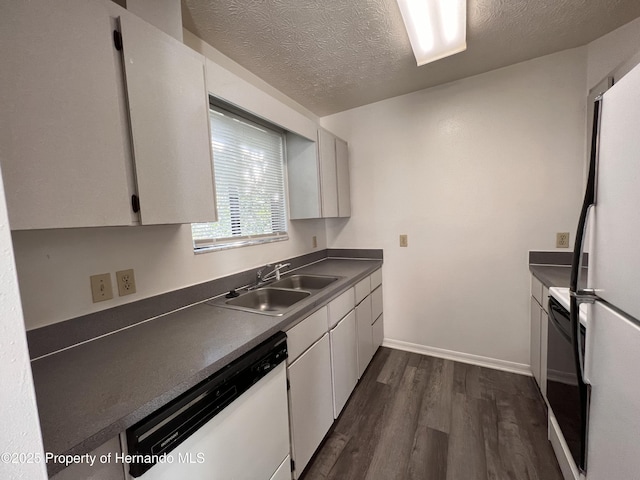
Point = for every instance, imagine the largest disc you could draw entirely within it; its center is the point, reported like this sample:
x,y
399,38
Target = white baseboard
x,y
513,367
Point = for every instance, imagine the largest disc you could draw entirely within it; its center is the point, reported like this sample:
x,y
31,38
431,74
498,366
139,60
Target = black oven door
x,y
563,392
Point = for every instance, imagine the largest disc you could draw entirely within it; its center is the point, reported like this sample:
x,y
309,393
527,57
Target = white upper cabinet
x,y
342,171
328,173
63,140
318,174
169,115
67,135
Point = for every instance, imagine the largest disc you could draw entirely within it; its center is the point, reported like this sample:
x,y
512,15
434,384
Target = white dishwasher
x,y
232,426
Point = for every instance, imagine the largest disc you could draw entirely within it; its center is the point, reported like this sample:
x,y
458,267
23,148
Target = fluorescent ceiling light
x,y
436,28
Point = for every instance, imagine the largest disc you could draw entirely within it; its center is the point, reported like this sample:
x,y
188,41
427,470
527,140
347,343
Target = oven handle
x,y
555,309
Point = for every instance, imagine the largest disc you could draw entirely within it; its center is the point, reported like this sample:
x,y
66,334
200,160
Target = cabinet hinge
x,y
288,384
135,203
293,465
117,39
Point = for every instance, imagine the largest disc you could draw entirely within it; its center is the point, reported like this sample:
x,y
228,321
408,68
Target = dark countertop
x,y
555,275
90,393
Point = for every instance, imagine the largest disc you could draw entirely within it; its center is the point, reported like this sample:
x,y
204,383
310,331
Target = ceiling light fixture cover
x,y
436,28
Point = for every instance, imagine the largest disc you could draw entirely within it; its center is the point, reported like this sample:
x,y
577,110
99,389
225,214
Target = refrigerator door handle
x,y
578,297
588,202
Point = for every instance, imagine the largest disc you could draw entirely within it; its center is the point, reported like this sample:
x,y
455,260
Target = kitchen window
x,y
248,160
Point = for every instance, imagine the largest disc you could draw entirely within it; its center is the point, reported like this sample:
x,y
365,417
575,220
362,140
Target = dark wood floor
x,y
419,417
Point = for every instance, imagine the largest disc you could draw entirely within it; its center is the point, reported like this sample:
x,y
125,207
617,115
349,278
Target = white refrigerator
x,y
611,364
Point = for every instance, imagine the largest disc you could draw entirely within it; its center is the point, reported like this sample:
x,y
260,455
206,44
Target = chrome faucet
x,y
260,276
275,273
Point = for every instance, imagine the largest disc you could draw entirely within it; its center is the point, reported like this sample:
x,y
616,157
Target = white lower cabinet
x,y
310,401
284,470
344,361
536,316
539,328
378,333
328,352
100,470
364,333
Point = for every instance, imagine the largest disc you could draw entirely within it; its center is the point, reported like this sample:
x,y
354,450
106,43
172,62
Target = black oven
x,y
563,393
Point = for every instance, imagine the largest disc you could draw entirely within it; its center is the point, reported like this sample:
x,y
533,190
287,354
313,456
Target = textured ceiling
x,y
333,55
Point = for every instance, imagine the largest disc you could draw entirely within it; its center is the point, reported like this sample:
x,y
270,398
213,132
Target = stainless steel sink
x,y
304,282
268,300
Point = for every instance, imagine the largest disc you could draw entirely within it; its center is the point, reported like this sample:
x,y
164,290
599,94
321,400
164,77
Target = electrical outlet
x,y
126,282
404,240
101,287
314,242
562,240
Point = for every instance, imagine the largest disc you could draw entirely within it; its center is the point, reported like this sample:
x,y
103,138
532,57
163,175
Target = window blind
x,y
248,160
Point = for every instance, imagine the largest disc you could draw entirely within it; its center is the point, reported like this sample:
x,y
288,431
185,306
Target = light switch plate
x,y
126,282
404,240
101,289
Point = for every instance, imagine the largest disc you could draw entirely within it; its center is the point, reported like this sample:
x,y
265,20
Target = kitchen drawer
x,y
363,288
339,307
376,303
545,299
376,279
305,333
536,289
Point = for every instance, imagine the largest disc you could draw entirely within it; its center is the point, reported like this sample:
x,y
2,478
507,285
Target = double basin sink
x,y
277,297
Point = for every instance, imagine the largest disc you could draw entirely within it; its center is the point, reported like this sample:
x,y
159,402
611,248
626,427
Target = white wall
x,y
54,265
165,15
18,414
610,51
476,172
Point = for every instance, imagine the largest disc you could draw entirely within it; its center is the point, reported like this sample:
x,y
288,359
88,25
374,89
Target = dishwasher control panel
x,y
169,426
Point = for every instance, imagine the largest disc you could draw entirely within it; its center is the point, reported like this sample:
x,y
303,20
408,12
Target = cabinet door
x,y
365,335
284,470
328,173
310,401
63,137
544,332
344,361
378,332
303,177
169,115
376,303
342,170
536,315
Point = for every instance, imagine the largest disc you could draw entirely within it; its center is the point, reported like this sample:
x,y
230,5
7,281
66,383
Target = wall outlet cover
x,y
101,289
126,282
562,240
314,242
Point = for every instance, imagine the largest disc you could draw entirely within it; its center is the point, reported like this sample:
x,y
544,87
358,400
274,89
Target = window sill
x,y
247,242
